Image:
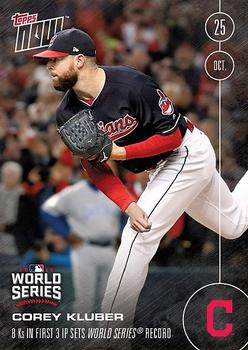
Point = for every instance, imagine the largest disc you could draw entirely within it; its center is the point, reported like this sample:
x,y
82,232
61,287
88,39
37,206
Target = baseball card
x,y
123,175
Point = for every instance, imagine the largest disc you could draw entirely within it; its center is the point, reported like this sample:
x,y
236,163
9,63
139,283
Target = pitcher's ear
x,y
79,60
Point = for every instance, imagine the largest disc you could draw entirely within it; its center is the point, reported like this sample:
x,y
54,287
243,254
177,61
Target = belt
x,y
106,243
190,125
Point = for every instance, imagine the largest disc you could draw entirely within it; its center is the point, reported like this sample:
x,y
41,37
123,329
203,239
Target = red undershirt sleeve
x,y
104,179
154,145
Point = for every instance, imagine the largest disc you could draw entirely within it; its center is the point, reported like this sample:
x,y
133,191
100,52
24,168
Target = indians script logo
x,y
227,305
36,285
165,104
119,128
33,34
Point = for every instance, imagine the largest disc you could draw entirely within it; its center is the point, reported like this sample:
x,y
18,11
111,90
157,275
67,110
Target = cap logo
x,y
52,40
75,49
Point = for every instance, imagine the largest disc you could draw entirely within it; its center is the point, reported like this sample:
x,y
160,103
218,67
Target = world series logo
x,y
36,285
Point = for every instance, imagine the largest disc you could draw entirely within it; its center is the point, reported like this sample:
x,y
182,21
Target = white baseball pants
x,y
187,182
91,266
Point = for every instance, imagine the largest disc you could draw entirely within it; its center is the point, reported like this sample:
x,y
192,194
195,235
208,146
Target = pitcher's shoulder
x,y
125,75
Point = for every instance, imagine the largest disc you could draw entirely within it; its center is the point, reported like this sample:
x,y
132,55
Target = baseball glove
x,y
82,136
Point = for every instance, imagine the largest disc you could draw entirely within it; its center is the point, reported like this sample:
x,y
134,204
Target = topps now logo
x,y
33,34
36,285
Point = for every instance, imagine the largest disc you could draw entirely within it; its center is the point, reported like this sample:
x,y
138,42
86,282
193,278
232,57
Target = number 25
x,y
220,28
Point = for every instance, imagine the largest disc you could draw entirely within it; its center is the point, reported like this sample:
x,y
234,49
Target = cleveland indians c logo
x,y
214,304
165,104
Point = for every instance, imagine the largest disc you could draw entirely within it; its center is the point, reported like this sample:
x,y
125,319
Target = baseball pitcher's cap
x,y
69,42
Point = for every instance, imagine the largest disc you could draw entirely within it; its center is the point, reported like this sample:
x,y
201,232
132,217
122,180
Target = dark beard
x,y
64,84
